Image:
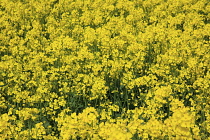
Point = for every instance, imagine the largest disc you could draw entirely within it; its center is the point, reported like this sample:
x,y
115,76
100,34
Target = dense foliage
x,y
104,69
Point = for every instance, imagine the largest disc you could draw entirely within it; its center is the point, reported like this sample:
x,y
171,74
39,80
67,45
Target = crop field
x,y
104,69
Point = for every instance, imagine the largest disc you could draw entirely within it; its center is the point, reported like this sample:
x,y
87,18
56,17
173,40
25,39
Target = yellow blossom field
x,y
104,69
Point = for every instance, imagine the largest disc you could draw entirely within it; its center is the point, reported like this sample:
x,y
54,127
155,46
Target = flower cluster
x,y
104,69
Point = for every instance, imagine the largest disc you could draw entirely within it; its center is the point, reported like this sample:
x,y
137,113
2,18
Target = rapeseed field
x,y
104,69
